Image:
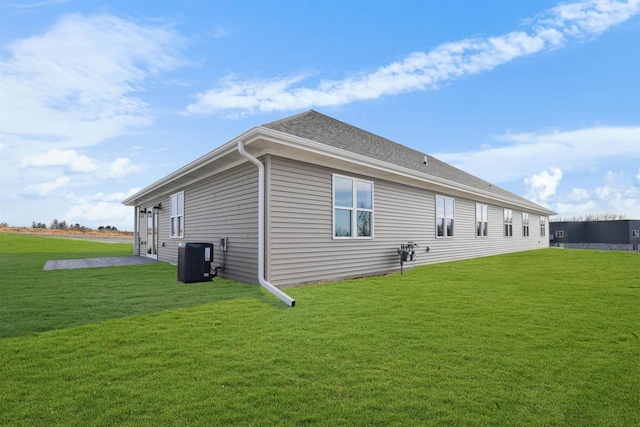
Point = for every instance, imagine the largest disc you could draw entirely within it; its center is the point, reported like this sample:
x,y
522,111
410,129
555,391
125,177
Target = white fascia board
x,y
214,155
340,154
285,139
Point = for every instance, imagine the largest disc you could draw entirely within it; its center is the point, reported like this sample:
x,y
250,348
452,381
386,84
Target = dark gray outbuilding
x,y
618,235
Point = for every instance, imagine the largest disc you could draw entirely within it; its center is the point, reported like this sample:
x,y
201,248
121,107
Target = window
x,y
543,226
636,247
177,215
444,216
508,223
525,224
482,220
559,234
352,208
635,234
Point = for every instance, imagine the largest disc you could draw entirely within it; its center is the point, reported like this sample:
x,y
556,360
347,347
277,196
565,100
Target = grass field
x,y
549,337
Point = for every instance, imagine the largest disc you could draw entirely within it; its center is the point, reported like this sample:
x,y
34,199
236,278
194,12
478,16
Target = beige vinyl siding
x,y
224,205
300,241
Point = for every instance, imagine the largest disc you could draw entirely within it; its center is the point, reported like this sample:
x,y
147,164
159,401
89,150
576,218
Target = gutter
x,y
293,141
341,154
261,256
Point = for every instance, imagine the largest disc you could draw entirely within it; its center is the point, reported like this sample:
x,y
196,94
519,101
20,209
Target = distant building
x,y
618,235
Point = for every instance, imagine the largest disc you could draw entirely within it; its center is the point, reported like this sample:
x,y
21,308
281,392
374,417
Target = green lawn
x,y
548,337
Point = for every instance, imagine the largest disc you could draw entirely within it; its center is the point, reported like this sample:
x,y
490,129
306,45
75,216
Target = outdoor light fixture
x,y
158,206
143,213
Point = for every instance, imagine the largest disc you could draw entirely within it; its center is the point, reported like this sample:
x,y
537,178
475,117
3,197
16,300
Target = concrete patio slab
x,y
67,264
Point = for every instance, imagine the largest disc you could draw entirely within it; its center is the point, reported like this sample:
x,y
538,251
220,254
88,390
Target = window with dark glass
x,y
445,207
482,220
177,214
525,224
508,223
352,208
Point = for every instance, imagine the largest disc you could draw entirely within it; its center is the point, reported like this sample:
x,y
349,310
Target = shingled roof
x,y
320,128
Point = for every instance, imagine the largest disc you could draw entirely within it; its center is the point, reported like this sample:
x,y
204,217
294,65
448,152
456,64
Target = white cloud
x,y
616,187
102,209
527,153
638,176
247,95
589,17
617,194
74,84
32,5
115,197
120,168
523,156
101,213
67,158
577,209
542,186
46,189
578,195
419,71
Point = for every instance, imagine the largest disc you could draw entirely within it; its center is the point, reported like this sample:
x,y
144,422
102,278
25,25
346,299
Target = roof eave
x,y
338,153
260,132
216,154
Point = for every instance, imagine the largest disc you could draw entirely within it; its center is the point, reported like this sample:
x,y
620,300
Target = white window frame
x,y
482,220
508,222
176,221
635,247
446,216
525,224
353,209
635,234
543,226
560,234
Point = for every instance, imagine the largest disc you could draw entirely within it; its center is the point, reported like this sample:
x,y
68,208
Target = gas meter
x,y
407,253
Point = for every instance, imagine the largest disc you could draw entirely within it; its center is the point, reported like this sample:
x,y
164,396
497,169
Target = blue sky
x,y
100,99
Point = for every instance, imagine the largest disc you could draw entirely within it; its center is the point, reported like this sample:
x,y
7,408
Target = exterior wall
x,y
573,232
605,235
608,232
302,248
224,205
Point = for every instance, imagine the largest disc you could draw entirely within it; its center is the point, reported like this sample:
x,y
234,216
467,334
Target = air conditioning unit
x,y
194,262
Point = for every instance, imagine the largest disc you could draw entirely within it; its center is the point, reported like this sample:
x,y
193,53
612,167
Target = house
x,y
616,235
310,198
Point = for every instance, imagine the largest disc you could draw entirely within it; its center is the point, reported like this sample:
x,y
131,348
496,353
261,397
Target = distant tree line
x,y
590,217
62,225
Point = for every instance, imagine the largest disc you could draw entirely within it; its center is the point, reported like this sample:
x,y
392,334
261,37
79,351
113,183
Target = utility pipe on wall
x,y
268,286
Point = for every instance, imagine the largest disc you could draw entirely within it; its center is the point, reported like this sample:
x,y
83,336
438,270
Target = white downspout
x,y
268,286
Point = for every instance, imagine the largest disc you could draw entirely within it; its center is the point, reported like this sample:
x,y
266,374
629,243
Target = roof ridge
x,y
328,130
286,119
344,124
